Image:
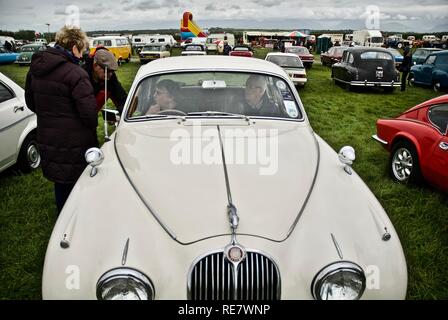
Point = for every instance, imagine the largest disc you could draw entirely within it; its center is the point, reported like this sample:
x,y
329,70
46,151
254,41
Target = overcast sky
x,y
395,15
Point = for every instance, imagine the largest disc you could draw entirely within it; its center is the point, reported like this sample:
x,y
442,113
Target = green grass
x,y
419,213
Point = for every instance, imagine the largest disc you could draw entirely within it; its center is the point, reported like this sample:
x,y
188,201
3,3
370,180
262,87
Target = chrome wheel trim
x,y
411,81
402,164
436,87
33,156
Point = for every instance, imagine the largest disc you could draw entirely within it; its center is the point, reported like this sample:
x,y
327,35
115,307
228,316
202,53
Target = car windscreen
x,y
339,51
194,48
395,52
286,61
240,49
296,50
376,55
106,43
219,93
151,48
29,49
377,39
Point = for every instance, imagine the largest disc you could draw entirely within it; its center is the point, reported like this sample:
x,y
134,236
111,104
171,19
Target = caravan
x,y
214,38
368,38
140,40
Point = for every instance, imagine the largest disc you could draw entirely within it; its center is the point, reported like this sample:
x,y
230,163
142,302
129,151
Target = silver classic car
x,y
215,187
18,143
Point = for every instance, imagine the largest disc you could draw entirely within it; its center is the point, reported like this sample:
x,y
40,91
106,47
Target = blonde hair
x,y
68,37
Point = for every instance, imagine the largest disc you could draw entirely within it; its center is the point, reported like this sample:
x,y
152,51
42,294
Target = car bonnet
x,y
190,198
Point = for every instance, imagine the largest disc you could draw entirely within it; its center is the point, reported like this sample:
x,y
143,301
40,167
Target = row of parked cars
x,y
366,66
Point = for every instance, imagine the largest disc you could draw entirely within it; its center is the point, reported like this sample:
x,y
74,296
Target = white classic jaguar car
x,y
214,186
18,144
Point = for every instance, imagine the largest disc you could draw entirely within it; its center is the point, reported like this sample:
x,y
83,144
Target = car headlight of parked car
x,y
339,281
124,284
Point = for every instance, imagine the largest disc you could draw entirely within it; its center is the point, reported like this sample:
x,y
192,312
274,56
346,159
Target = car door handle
x,y
17,108
443,146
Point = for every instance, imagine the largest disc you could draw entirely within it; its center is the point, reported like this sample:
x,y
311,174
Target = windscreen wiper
x,y
219,113
157,116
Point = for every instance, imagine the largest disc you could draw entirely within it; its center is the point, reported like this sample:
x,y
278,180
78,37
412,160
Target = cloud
x,y
147,5
210,7
268,3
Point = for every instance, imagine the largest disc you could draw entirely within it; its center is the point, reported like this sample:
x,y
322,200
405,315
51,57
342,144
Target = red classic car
x,y
303,53
418,143
333,55
241,51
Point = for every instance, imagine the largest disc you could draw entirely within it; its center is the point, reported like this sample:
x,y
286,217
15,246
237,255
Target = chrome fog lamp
x,y
124,284
339,281
94,158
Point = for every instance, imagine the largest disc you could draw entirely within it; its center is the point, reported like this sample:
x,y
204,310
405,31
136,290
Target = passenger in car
x,y
165,96
256,101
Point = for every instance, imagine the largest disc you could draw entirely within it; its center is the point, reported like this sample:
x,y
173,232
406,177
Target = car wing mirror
x,y
347,156
111,115
94,157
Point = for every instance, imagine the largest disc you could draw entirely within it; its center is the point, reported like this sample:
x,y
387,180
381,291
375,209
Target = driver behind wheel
x,y
165,96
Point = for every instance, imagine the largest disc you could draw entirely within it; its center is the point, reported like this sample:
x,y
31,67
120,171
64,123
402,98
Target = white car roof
x,y
208,63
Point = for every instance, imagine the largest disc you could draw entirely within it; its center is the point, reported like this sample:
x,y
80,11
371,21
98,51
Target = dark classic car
x,y
27,51
420,55
433,72
332,56
367,67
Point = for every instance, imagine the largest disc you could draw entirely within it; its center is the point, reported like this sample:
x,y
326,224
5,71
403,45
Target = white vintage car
x,y
292,64
18,124
217,198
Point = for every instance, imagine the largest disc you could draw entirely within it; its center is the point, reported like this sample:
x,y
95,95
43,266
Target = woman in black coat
x,y
60,93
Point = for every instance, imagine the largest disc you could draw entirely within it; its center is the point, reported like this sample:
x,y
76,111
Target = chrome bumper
x,y
375,137
375,84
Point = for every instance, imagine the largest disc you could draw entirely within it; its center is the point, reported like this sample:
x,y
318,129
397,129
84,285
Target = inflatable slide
x,y
188,28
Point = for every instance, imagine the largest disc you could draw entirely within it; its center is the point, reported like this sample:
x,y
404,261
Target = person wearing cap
x,y
59,91
405,66
96,66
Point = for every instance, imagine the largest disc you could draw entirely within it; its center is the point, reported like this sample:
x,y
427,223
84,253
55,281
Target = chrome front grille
x,y
213,277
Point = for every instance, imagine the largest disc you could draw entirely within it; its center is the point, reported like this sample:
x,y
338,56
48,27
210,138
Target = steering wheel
x,y
173,112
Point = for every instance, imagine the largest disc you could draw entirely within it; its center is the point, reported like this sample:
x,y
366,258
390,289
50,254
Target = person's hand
x,y
154,109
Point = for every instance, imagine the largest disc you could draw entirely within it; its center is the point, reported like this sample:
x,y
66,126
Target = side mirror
x,y
347,156
111,115
94,158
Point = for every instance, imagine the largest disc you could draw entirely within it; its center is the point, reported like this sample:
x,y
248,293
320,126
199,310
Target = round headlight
x,y
124,284
339,281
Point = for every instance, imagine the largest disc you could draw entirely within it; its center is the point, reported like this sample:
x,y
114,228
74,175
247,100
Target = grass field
x,y
419,213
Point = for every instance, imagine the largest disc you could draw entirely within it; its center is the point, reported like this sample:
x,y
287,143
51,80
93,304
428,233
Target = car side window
x,y
350,58
5,93
430,60
438,115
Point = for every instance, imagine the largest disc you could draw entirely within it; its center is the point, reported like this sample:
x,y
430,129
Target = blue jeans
x,y
61,192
